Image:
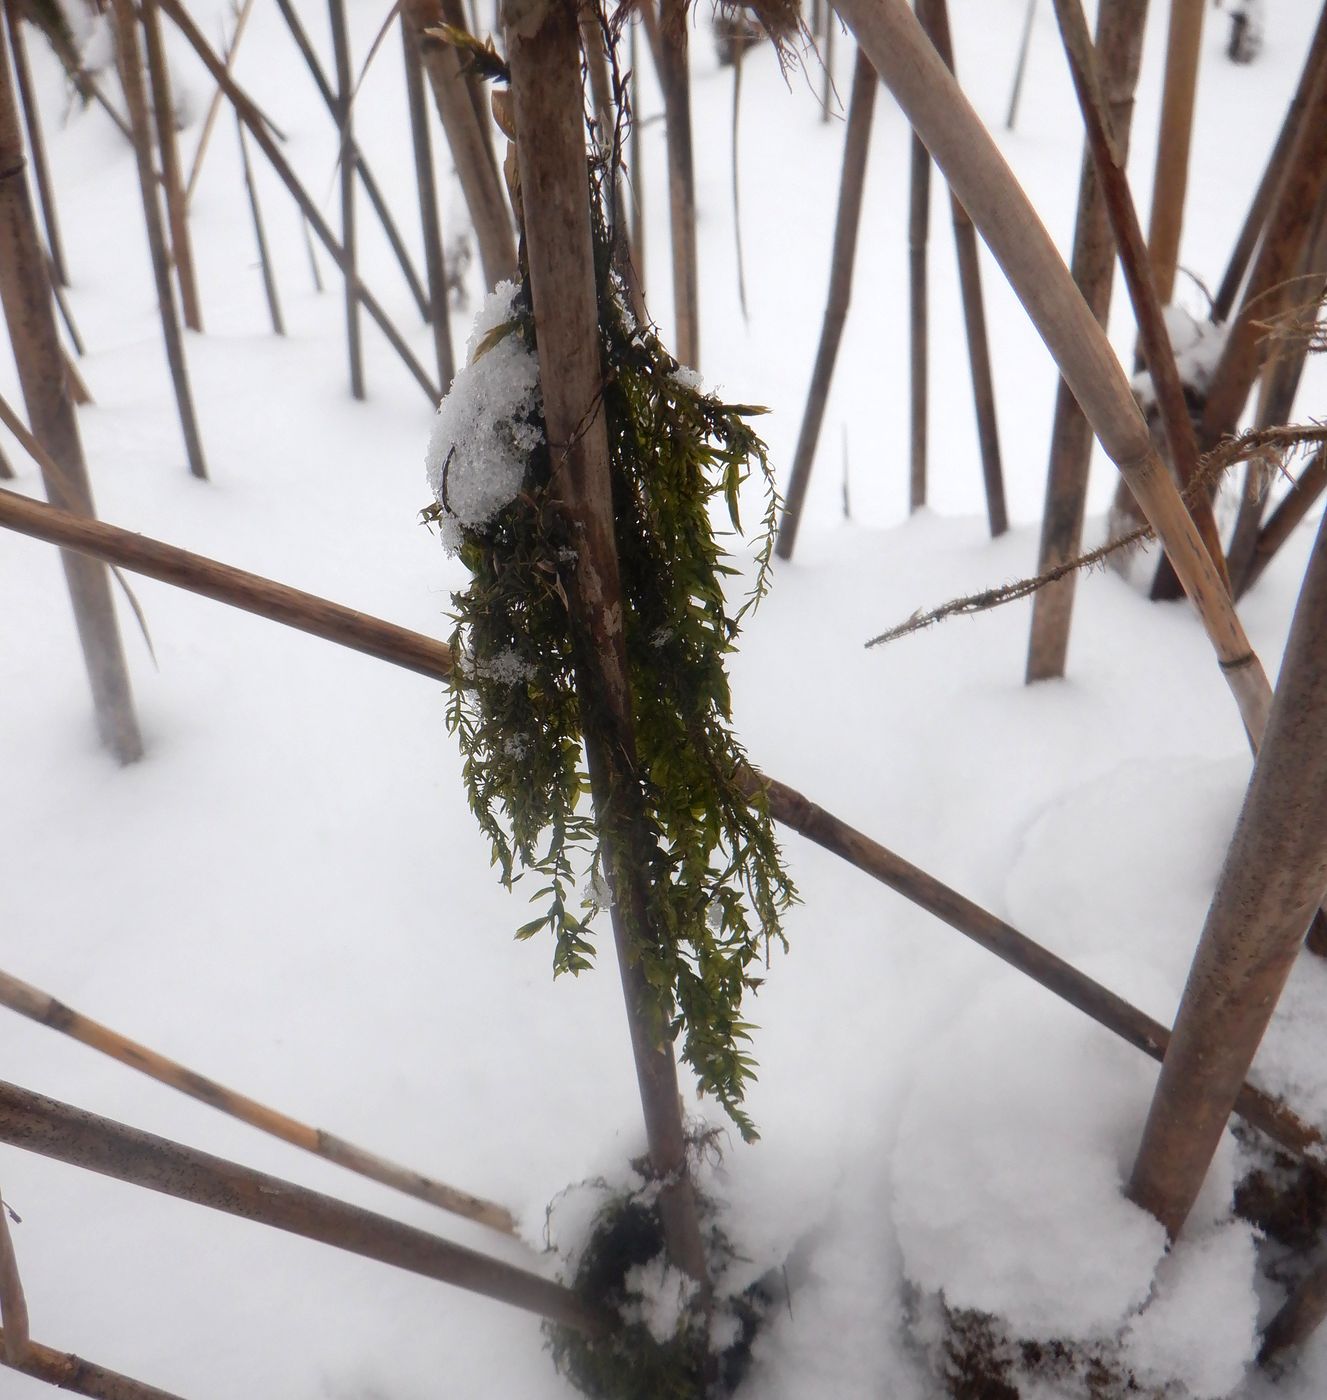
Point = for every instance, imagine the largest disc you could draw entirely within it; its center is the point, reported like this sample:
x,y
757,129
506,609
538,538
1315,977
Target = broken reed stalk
x,y
78,389
1108,160
934,15
37,1124
1024,44
1119,45
543,52
6,471
1281,524
978,175
304,611
1171,174
1283,240
919,224
259,234
253,120
439,315
856,145
467,130
423,655
47,1011
214,107
344,96
66,1371
36,143
1254,220
675,83
1271,884
135,96
16,1341
367,181
308,248
177,208
26,300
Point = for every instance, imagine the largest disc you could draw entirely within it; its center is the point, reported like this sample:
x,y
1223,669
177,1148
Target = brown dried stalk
x,y
17,1342
66,1371
52,1129
45,1010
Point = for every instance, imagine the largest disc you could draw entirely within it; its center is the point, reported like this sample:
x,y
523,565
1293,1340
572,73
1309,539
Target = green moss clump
x,y
632,1363
705,847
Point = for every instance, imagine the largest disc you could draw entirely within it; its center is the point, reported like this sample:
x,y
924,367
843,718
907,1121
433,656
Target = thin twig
x,y
1210,469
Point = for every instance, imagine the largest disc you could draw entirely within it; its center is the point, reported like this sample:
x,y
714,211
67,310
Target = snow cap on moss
x,y
483,434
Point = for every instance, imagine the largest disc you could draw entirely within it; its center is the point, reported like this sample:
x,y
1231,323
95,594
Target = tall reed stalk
x,y
1171,174
856,146
36,143
349,240
172,184
1271,884
934,15
543,54
25,295
467,129
135,96
1119,46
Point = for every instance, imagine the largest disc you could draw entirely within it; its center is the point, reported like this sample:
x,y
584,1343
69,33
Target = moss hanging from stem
x,y
516,709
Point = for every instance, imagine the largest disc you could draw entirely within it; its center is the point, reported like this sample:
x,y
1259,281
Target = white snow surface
x,y
289,893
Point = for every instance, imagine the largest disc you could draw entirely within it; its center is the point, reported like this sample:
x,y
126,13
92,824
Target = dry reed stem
x,y
919,227
368,181
1285,518
177,206
37,1124
135,96
1024,45
1119,47
977,173
543,51
36,144
214,107
66,1371
1171,173
1108,156
934,15
423,655
346,161
1272,882
439,314
38,1006
1285,235
675,81
17,1341
249,592
259,233
25,295
856,146
253,119
467,128
1273,173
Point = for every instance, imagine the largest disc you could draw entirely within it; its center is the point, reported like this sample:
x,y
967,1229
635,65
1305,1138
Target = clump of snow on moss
x,y
661,1296
486,427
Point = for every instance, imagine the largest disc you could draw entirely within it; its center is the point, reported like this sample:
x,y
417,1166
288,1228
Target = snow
x,y
486,426
290,894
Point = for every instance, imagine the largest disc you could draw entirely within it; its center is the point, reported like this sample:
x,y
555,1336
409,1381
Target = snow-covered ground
x,y
290,895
